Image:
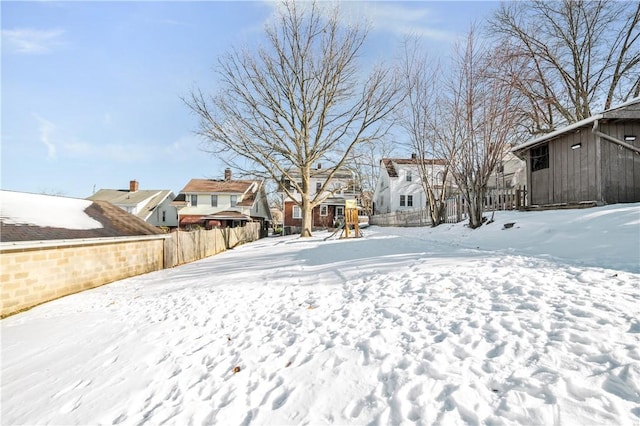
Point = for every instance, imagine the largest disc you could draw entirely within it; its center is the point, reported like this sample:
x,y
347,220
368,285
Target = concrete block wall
x,y
31,276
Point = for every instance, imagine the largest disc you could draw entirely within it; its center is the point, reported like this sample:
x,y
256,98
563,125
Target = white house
x,y
399,186
509,173
222,203
154,206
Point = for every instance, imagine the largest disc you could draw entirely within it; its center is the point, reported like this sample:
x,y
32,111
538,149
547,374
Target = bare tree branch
x,y
296,100
582,56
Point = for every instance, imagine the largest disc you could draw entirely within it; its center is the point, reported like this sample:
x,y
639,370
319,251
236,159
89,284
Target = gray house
x,y
594,160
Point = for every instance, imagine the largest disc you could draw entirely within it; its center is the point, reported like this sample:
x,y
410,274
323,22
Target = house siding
x,y
389,189
318,221
620,166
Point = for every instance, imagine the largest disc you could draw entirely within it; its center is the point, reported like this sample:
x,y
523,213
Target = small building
x,y
210,203
341,187
151,205
594,160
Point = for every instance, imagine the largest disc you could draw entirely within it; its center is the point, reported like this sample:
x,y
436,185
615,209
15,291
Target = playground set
x,y
350,227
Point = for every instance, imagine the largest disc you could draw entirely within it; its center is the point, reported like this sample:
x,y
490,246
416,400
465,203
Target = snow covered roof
x,y
36,217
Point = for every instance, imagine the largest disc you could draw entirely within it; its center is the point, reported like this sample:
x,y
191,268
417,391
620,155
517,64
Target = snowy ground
x,y
537,324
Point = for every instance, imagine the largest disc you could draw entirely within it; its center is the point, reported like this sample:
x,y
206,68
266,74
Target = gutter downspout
x,y
614,140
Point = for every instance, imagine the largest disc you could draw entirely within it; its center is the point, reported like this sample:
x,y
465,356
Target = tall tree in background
x,y
478,118
581,56
299,99
420,117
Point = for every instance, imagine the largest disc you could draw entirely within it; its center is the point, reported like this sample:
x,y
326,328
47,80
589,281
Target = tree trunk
x,y
307,218
475,208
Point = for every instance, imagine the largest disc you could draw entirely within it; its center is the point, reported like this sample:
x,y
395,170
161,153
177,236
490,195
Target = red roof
x,y
191,219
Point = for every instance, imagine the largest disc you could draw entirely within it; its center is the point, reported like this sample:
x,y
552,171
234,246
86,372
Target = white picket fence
x,y
455,211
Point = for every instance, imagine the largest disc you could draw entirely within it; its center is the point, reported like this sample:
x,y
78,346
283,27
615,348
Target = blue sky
x,y
91,91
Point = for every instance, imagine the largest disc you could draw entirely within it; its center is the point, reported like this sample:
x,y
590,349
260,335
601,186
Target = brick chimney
x,y
227,174
133,185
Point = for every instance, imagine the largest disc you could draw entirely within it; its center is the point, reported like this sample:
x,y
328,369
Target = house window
x,y
234,200
409,200
339,210
297,212
318,186
164,216
324,210
408,175
214,201
402,201
194,200
540,157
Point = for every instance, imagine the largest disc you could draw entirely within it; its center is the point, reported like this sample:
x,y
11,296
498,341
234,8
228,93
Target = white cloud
x,y
31,41
398,19
46,129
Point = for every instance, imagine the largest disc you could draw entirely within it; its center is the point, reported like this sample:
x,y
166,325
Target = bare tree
x,y
420,118
478,119
580,56
365,163
297,100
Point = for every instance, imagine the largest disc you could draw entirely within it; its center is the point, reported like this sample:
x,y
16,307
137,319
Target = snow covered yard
x,y
537,324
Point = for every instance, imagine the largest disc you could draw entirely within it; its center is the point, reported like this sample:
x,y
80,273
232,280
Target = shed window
x,y
540,157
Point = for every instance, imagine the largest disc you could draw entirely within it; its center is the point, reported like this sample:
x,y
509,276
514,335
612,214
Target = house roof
x,y
228,215
223,215
629,109
343,173
123,197
212,186
390,163
37,217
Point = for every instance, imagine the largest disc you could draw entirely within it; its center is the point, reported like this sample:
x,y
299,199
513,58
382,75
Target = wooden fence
x,y
188,246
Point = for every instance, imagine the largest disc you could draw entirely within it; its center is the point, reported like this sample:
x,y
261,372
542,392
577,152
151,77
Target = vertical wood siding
x,y
597,171
620,166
